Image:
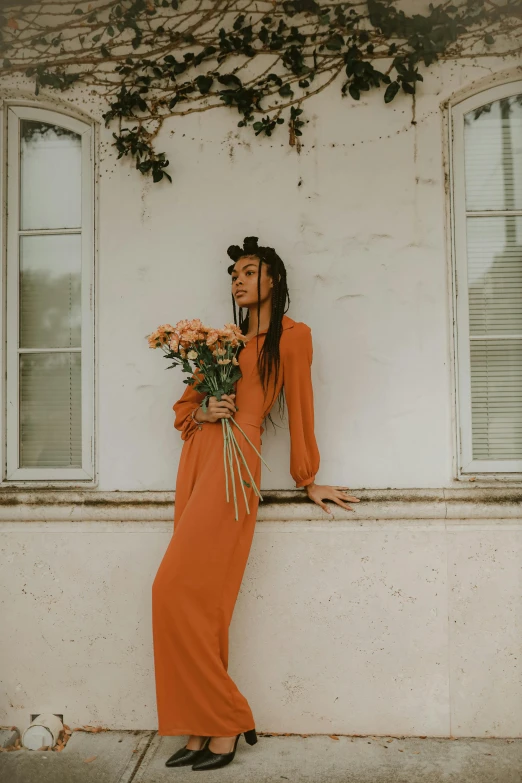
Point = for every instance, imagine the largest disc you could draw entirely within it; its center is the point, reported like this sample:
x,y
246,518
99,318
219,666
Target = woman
x,y
198,581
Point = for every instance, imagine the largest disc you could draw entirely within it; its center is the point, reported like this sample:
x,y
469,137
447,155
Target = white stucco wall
x,y
363,237
401,624
359,219
363,240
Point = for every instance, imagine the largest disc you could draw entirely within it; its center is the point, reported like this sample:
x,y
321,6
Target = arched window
x,y
487,233
49,322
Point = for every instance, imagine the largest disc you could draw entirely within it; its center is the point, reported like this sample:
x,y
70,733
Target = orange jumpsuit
x,y
198,581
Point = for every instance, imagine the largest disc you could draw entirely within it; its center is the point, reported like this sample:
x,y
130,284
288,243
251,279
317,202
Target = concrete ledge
x,y
473,503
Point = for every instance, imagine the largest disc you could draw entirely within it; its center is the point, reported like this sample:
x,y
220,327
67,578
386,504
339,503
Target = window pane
x,y
50,291
495,275
50,410
496,399
493,155
50,176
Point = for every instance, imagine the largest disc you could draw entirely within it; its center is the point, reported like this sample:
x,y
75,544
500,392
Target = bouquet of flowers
x,y
210,356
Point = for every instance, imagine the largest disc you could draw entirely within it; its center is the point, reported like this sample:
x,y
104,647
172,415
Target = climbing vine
x,y
155,59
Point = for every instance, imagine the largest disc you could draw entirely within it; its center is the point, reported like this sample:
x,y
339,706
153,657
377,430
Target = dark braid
x,y
269,357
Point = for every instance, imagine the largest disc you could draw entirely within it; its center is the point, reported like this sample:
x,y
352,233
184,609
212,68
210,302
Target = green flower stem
x,y
248,439
235,447
225,457
229,449
256,490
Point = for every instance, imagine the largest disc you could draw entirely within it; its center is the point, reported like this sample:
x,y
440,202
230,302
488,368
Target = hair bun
x,y
250,246
234,252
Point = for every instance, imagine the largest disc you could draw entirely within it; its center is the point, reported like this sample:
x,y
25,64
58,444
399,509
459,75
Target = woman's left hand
x,y
318,493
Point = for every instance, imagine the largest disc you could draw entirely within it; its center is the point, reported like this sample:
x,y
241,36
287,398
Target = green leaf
x,y
354,92
229,80
335,43
204,83
273,77
391,92
285,91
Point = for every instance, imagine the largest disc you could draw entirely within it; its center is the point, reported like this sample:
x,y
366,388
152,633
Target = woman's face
x,y
244,282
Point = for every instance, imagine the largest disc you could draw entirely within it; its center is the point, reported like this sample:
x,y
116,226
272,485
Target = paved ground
x,y
106,757
139,757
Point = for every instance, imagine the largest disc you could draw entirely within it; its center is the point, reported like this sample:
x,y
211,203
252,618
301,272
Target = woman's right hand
x,y
217,409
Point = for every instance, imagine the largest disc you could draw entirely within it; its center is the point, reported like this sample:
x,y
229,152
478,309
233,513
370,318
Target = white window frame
x,y
466,463
14,113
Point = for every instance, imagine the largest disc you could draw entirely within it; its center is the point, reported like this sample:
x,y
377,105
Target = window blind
x,y
50,297
50,402
493,171
493,156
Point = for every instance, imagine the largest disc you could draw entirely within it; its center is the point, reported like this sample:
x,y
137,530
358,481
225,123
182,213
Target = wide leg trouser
x,y
195,591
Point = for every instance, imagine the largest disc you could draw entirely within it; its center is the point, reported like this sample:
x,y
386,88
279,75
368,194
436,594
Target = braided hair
x,y
269,358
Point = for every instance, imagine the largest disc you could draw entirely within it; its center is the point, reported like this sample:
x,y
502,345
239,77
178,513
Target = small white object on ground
x,y
43,731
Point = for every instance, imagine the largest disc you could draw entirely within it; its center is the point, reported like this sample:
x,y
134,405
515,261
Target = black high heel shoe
x,y
183,757
210,760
